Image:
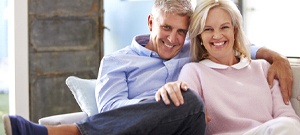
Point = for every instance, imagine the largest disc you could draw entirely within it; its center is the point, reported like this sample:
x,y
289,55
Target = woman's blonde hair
x,y
198,19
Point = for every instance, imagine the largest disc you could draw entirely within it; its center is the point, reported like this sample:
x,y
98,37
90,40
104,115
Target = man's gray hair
x,y
180,7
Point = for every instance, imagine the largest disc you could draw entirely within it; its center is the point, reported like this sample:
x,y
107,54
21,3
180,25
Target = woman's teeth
x,y
219,44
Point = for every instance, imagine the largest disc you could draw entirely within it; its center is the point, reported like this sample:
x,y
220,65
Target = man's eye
x,y
166,27
182,31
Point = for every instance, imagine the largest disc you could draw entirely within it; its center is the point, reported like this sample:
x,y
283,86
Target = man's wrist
x,y
266,54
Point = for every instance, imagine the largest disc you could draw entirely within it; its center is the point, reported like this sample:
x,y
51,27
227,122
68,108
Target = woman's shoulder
x,y
260,62
193,66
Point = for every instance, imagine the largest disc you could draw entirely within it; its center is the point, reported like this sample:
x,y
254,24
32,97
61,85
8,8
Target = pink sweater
x,y
237,98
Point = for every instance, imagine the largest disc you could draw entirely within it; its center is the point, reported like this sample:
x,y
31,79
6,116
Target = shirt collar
x,y
243,63
138,44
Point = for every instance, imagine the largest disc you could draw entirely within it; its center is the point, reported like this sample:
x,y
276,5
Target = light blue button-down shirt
x,y
135,73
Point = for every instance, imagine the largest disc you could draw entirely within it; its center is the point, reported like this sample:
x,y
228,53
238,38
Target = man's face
x,y
168,32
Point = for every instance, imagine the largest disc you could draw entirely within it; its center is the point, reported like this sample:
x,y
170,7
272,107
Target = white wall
x,y
274,24
18,58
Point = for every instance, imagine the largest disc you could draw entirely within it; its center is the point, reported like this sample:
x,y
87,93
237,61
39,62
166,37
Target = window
x,y
3,62
3,47
273,24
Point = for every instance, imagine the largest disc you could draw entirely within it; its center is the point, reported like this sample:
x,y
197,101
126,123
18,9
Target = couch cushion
x,y
295,99
68,118
84,93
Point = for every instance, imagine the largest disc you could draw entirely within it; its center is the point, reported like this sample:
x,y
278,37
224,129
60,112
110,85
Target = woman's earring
x,y
201,43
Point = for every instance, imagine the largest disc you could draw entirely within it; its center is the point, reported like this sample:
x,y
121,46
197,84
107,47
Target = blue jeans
x,y
150,118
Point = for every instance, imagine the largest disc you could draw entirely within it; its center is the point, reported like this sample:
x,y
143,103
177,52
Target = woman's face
x,y
218,35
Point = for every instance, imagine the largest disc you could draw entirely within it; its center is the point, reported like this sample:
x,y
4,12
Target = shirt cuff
x,y
254,49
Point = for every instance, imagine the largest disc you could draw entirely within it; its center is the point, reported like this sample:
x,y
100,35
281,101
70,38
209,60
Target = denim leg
x,y
17,125
150,118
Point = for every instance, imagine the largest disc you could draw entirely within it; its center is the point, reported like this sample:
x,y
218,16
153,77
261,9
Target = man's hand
x,y
171,90
280,69
207,117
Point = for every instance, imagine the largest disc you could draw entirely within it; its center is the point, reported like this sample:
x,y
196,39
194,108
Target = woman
x,y
234,88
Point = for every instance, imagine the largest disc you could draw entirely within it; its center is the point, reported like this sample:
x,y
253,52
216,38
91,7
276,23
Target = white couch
x,y
85,86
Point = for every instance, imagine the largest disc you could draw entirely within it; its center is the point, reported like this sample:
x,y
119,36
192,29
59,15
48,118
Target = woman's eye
x,y
225,27
208,29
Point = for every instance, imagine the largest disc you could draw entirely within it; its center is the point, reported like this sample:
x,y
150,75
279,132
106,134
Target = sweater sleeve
x,y
279,108
189,75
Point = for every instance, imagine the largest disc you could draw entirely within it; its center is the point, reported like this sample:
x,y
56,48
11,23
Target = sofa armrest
x,y
68,118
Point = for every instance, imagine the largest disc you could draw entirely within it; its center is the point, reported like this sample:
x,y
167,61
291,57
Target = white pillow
x,y
84,93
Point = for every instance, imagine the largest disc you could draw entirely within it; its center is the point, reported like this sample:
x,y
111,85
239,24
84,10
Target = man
x,y
129,78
